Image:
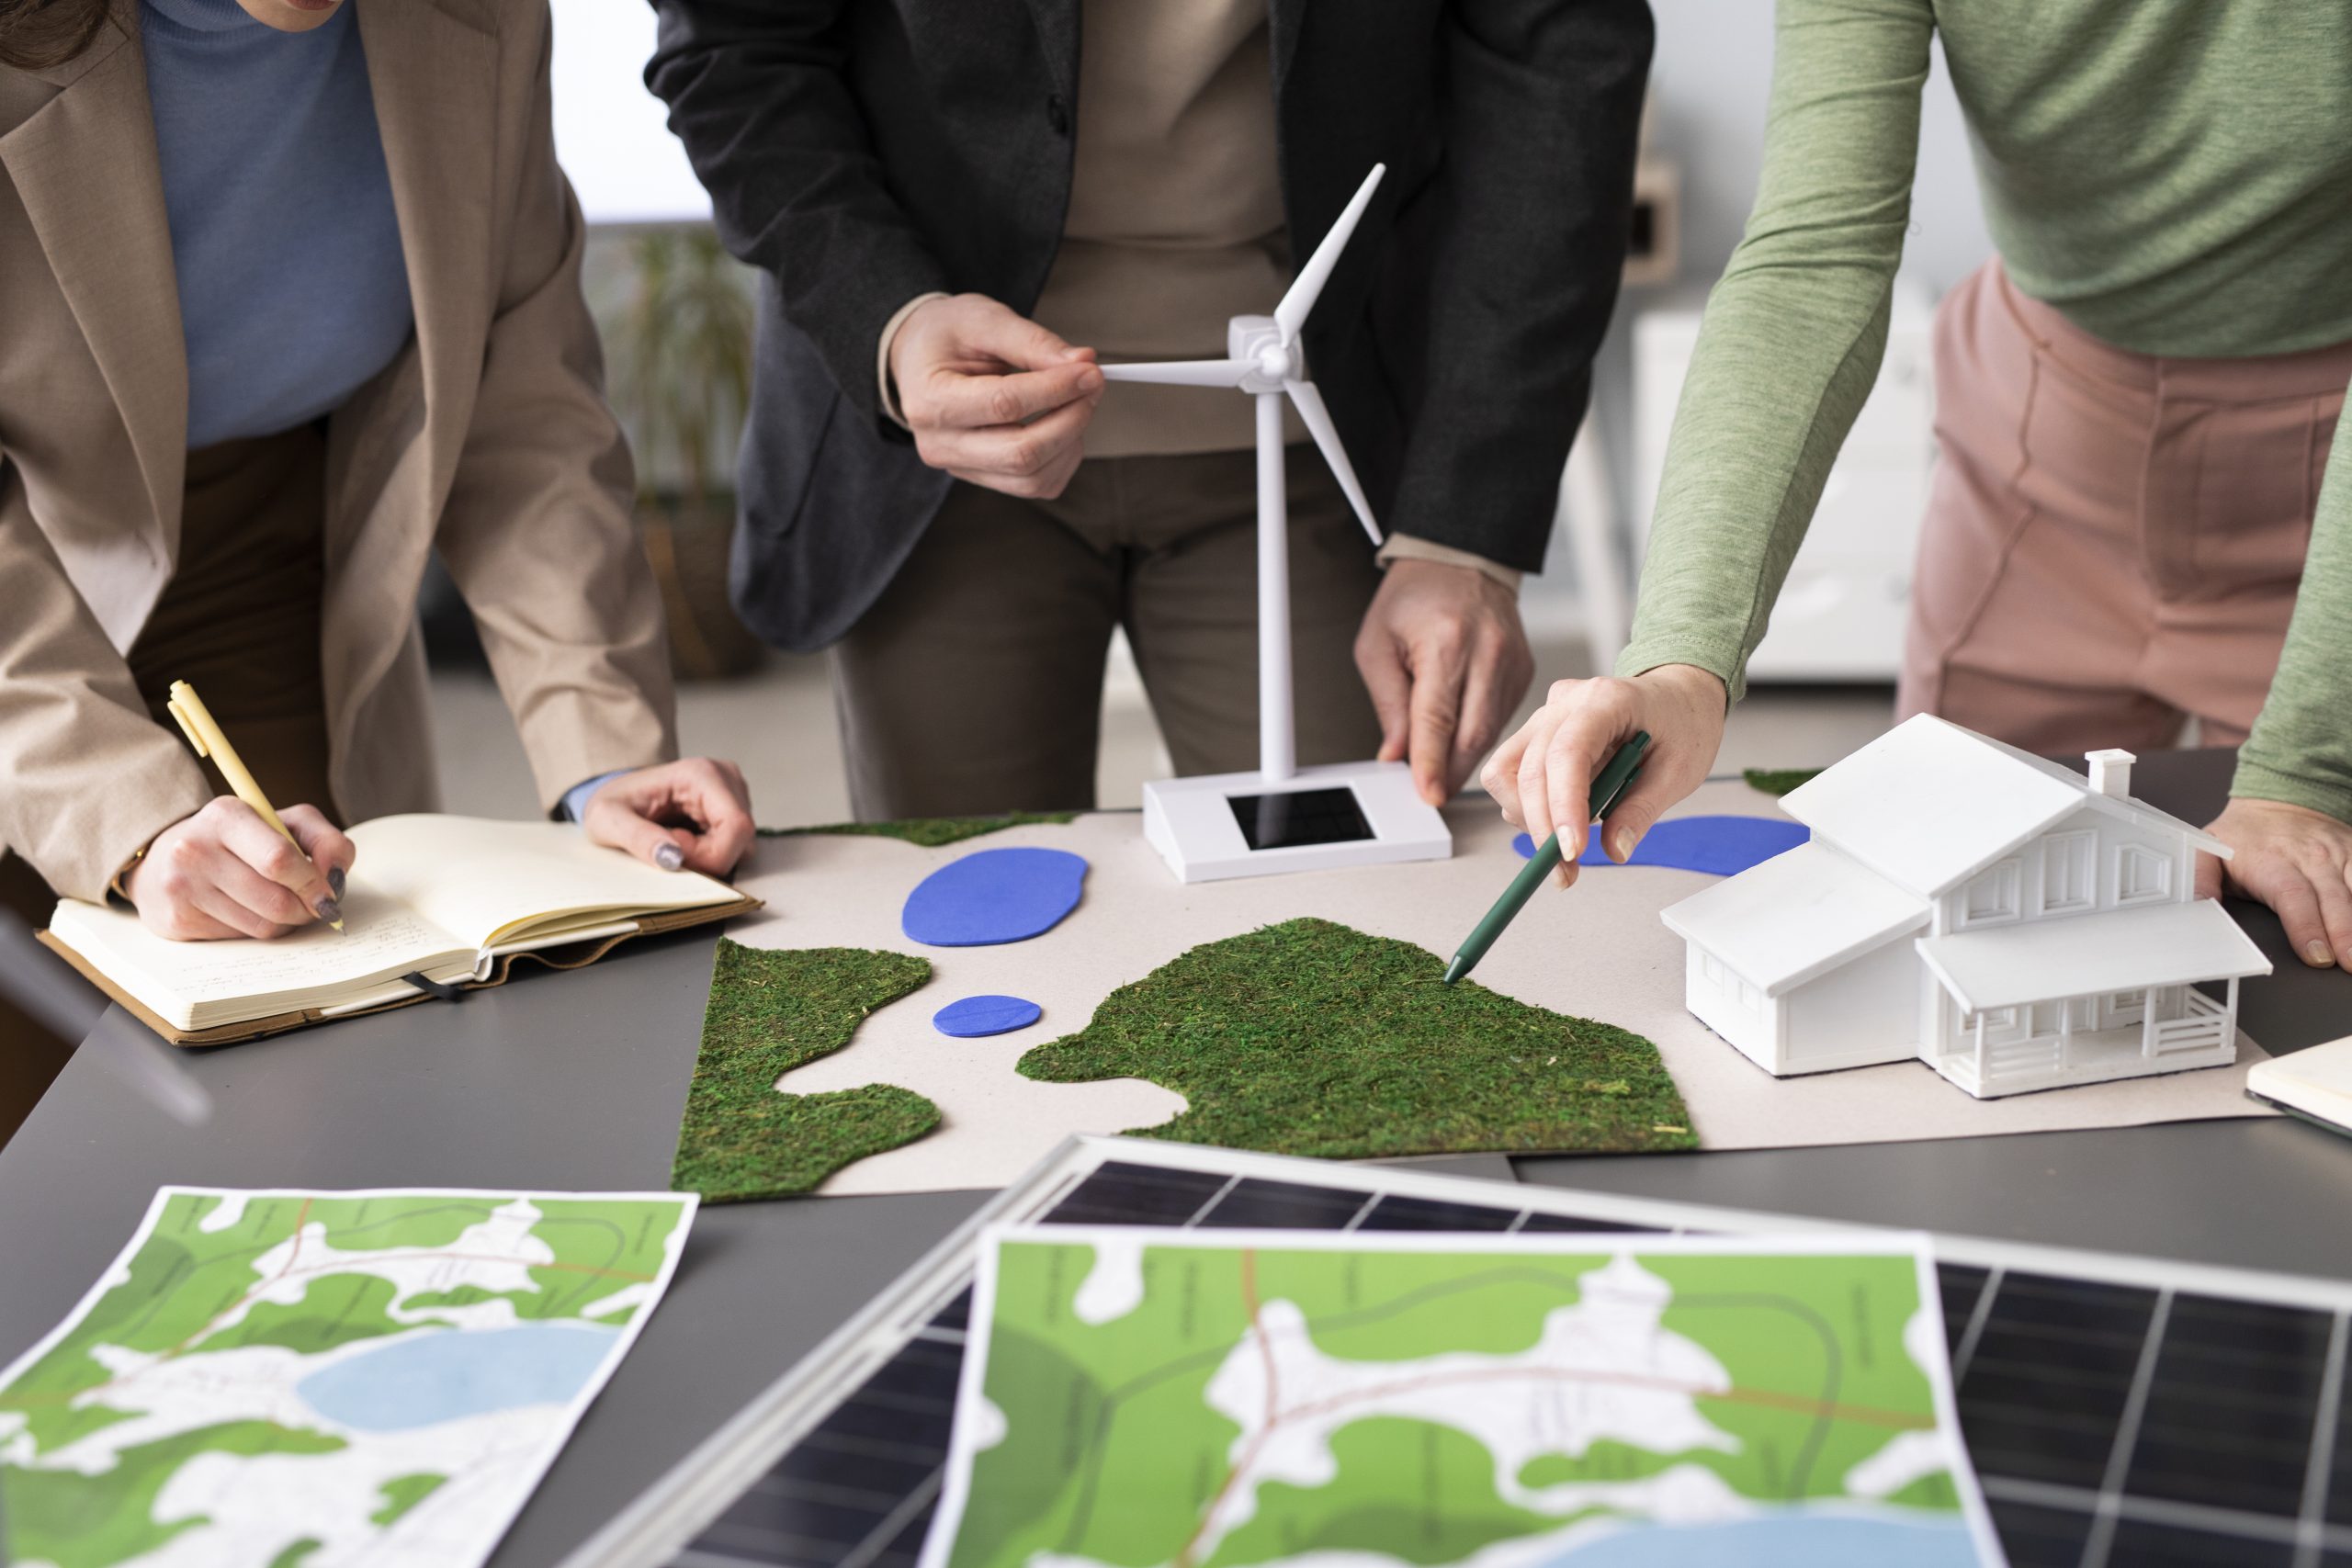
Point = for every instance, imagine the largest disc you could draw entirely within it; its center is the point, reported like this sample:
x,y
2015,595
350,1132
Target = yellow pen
x,y
197,724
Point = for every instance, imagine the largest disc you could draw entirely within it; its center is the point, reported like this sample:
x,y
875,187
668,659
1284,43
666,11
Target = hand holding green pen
x,y
1608,787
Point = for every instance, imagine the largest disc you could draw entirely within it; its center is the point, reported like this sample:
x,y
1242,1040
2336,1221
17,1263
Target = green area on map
x,y
196,1351
1212,1405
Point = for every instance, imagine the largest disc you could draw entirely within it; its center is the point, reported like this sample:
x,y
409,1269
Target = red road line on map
x,y
1272,1417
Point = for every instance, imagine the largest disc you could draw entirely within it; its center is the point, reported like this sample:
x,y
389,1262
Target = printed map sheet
x,y
1141,1396
291,1378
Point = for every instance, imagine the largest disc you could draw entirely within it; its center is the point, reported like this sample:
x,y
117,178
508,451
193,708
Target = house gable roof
x,y
1928,804
1795,917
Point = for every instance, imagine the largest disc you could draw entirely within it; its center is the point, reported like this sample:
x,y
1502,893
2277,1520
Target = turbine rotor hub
x,y
1257,341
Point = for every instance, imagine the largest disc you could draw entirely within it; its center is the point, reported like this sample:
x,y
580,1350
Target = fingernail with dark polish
x,y
328,910
335,883
669,857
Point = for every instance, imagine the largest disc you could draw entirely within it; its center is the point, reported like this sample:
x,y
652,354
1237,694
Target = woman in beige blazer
x,y
277,570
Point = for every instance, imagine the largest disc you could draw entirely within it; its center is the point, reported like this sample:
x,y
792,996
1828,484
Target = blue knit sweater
x,y
292,288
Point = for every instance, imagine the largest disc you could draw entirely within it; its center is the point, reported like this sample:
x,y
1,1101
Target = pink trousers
x,y
2113,540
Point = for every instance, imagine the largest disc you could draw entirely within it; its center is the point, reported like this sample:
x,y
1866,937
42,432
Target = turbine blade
x,y
1326,441
1291,314
1184,372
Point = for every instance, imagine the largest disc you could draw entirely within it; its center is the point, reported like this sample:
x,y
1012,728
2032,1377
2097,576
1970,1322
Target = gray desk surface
x,y
577,1080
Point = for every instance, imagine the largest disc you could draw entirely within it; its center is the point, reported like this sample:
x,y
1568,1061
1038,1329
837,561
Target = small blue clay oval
x,y
973,1016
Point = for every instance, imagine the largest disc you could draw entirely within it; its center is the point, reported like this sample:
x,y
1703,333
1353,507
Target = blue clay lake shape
x,y
994,896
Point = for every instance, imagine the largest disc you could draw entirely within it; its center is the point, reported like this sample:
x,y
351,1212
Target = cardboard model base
x,y
1596,951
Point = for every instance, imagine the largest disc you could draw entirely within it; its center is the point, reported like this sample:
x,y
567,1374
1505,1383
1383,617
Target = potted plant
x,y
680,342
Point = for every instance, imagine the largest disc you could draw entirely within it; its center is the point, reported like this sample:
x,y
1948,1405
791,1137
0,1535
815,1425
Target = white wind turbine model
x,y
1282,817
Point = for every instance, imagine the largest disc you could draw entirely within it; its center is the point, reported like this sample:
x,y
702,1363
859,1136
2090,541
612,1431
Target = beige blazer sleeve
x,y
538,531
90,777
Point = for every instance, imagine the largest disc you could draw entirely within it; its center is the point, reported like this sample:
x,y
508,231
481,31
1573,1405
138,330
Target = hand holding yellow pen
x,y
197,723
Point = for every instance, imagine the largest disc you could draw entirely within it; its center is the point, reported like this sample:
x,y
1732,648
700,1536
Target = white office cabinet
x,y
1840,615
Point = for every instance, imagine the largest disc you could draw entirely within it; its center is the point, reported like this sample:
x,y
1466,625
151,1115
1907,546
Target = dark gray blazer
x,y
859,153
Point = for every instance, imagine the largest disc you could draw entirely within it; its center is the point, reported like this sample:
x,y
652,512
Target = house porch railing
x,y
2203,1024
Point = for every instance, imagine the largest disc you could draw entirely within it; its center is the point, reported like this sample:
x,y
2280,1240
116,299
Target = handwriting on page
x,y
380,937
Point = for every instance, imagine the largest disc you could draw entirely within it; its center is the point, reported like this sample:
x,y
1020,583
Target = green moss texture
x,y
1311,1038
1777,780
930,832
769,1012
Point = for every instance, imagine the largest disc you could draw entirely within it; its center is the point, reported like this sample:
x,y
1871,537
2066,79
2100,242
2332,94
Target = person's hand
x,y
694,813
224,873
1542,777
1443,655
2297,860
992,397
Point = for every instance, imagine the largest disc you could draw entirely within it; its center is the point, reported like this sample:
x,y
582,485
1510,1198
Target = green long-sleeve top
x,y
2174,175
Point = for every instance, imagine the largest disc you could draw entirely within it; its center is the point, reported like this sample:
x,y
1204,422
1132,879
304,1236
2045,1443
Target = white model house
x,y
2012,924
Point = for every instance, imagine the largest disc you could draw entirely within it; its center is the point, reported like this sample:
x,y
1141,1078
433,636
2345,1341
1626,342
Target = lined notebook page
x,y
483,881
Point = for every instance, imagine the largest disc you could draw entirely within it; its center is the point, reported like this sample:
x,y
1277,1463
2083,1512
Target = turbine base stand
x,y
1228,825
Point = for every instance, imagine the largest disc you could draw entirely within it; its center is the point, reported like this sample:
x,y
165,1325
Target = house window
x,y
1713,968
2067,872
1993,897
2141,875
1750,997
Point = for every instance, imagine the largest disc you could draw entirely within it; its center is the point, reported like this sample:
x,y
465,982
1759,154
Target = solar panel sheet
x,y
2112,1421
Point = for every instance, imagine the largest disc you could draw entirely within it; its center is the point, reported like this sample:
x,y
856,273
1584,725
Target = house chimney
x,y
2111,772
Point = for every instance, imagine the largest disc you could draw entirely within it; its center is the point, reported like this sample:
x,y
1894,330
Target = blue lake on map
x,y
430,1378
1803,1540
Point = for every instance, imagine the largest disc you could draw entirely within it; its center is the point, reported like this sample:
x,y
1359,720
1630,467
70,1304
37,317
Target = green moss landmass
x,y
1311,1038
73,1520
930,832
1777,780
402,1493
772,1010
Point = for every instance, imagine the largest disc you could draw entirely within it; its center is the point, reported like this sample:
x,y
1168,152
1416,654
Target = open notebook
x,y
449,900
2315,1083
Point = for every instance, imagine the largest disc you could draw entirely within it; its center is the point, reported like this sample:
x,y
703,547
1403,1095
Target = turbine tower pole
x,y
1277,746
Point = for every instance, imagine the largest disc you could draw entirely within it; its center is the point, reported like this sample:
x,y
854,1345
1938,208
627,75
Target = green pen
x,y
1607,788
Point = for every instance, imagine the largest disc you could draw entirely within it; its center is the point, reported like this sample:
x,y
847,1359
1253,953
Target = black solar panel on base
x,y
2110,1424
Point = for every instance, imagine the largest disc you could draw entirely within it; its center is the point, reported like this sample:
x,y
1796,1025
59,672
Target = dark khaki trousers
x,y
975,682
